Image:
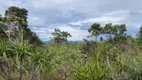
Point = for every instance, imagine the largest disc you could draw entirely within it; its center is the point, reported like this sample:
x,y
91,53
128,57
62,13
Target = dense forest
x,y
110,55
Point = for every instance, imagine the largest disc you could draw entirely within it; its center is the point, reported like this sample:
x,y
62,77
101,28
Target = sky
x,y
76,16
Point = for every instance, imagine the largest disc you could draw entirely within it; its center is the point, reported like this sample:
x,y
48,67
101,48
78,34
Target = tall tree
x,y
108,30
120,36
17,19
122,29
115,29
16,11
95,30
59,36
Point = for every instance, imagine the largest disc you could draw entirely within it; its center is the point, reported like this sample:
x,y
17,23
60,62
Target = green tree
x,y
16,19
108,30
95,30
59,36
120,36
16,11
115,29
3,27
122,29
101,39
139,35
0,17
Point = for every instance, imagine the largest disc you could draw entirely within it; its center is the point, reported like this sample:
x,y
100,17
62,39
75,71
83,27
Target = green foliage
x,y
107,29
16,11
111,32
139,36
88,46
92,70
15,20
60,37
3,27
95,30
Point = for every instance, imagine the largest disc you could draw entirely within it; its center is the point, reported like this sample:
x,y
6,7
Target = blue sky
x,y
76,16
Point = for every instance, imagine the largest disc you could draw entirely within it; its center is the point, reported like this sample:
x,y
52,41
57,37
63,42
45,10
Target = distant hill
x,y
46,42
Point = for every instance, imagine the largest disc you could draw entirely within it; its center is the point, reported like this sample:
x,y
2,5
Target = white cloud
x,y
76,23
33,20
111,17
77,33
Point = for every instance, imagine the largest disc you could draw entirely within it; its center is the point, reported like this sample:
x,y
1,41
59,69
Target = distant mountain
x,y
75,41
46,42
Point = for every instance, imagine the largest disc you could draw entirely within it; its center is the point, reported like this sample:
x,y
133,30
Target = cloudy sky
x,y
76,16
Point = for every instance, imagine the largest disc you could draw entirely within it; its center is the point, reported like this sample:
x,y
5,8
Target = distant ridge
x,y
69,41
